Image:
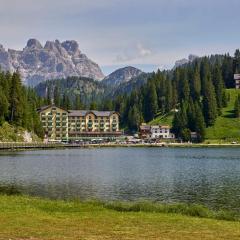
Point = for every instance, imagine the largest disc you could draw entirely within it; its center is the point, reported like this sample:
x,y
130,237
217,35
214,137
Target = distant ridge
x,y
121,75
183,61
37,63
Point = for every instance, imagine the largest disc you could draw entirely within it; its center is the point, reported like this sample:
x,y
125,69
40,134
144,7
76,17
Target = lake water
x,y
209,176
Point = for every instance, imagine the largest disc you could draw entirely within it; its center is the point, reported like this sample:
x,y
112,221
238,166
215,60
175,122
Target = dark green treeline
x,y
195,93
18,103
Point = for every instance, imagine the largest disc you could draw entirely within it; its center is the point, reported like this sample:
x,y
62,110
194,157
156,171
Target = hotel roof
x,y
82,113
42,108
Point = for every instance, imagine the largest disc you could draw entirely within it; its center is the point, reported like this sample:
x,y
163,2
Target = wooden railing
x,y
22,145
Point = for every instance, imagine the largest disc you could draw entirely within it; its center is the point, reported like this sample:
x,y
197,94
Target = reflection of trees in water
x,y
10,189
206,176
52,190
215,193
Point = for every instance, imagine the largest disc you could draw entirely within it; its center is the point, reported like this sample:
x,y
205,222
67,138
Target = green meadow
x,y
23,217
226,128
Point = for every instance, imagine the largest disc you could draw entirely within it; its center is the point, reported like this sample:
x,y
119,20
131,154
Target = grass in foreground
x,y
24,217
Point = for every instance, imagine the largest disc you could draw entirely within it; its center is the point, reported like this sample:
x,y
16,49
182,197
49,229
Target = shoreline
x,y
13,146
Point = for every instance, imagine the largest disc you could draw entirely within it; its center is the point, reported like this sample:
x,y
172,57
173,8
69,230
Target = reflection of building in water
x,y
60,124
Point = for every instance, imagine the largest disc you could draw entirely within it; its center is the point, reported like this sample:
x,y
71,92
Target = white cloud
x,y
130,54
143,51
124,32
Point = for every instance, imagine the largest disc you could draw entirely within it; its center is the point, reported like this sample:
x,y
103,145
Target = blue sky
x,y
149,34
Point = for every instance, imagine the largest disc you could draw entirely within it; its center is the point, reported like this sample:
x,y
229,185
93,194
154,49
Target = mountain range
x,y
37,63
64,61
121,81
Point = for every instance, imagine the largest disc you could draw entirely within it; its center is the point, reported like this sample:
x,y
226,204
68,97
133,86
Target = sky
x,y
148,34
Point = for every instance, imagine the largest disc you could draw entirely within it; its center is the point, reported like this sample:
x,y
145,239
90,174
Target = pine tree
x,y
196,84
219,86
209,104
107,105
66,103
3,106
169,96
16,108
134,118
180,120
93,106
151,105
184,86
185,134
237,106
78,103
236,61
199,123
56,96
49,96
228,71
191,115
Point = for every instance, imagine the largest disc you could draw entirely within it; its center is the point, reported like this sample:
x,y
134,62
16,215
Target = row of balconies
x,y
65,120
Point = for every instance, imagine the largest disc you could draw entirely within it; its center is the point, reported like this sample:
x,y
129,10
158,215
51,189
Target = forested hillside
x,y
72,92
190,97
195,93
18,103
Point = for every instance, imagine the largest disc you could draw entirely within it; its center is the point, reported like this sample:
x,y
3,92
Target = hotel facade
x,y
63,125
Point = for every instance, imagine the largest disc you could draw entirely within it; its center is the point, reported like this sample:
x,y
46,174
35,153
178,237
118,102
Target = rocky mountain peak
x,y
71,47
33,43
183,61
55,60
121,75
51,45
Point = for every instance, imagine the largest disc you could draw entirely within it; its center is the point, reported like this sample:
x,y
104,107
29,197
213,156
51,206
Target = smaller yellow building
x,y
62,125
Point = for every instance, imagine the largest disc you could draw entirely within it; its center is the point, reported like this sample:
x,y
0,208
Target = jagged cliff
x,y
37,63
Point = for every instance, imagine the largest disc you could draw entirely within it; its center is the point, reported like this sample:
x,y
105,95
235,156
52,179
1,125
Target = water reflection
x,y
203,175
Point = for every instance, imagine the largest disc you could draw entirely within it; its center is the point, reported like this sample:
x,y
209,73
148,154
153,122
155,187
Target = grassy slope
x,y
9,133
226,128
31,218
163,119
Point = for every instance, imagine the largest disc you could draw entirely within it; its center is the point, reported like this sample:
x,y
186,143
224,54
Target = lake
x,y
209,176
